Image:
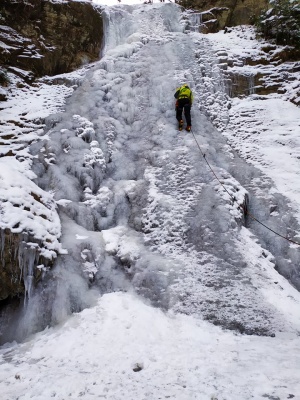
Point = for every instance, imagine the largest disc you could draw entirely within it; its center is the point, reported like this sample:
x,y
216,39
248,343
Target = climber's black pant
x,y
184,104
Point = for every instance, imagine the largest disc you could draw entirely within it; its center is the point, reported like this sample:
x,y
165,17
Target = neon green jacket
x,y
184,92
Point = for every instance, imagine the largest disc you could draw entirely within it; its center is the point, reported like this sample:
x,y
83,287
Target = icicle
x,y
251,84
2,239
196,21
28,287
21,257
30,256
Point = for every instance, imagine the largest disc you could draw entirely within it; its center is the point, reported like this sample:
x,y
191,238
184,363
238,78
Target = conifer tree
x,y
282,22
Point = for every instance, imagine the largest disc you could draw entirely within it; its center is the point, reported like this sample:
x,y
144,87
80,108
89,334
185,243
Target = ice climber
x,y
184,102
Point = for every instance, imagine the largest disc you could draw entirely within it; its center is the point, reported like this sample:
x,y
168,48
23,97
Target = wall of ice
x,y
138,208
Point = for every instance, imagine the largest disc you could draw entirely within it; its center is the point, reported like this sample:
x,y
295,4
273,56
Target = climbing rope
x,y
244,209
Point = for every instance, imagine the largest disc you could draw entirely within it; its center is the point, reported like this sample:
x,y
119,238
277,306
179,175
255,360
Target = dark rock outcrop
x,y
272,72
217,14
18,257
49,38
10,274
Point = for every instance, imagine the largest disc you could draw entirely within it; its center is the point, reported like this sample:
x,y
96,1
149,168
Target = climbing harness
x,y
244,209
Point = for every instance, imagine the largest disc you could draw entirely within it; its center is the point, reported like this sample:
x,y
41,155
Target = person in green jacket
x,y
184,102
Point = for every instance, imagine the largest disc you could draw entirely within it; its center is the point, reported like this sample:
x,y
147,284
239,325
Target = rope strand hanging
x,y
245,211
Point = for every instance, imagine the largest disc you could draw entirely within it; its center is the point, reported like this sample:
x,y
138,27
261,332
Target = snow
x,y
160,292
27,208
180,357
274,146
263,129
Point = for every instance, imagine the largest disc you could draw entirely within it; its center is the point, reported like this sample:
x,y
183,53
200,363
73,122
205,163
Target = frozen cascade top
x,y
128,24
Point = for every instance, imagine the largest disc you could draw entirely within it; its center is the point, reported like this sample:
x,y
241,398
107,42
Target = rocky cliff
x,y
216,14
48,38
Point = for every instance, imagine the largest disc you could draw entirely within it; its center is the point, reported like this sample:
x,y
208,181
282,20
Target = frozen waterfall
x,y
140,211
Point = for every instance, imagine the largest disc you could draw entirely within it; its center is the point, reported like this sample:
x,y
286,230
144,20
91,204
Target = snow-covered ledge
x,y
29,228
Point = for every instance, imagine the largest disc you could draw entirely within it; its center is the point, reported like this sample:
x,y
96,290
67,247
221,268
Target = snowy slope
x,y
95,353
141,213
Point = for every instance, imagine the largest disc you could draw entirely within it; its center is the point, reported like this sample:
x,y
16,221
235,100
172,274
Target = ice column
x,y
195,21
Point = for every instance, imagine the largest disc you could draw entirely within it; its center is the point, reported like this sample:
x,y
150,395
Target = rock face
x,y
11,284
15,277
49,38
38,38
216,14
270,70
